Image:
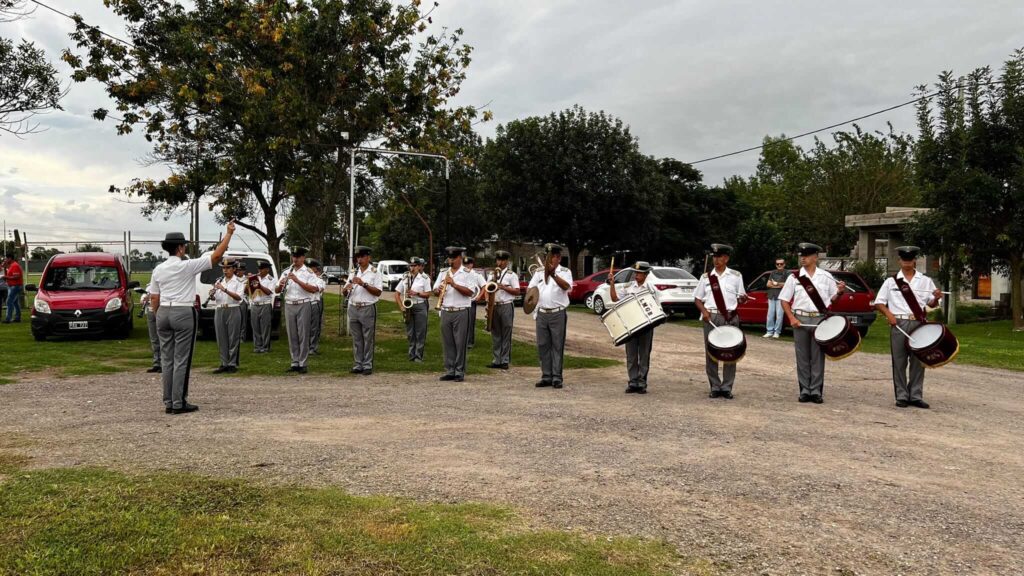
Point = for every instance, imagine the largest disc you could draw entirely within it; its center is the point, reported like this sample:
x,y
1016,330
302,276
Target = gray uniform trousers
x,y
297,317
728,377
416,330
261,315
154,338
551,344
176,327
228,324
316,324
244,329
914,389
471,333
638,358
362,324
810,359
454,341
501,333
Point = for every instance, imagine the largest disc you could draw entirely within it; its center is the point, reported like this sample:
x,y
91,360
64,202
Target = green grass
x,y
85,357
989,344
87,521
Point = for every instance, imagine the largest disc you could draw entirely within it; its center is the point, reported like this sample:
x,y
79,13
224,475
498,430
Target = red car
x,y
583,289
855,304
84,293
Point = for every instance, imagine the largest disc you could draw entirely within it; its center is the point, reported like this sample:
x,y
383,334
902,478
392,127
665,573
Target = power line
x,y
838,124
72,18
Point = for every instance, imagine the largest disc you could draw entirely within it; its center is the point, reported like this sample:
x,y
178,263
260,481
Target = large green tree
x,y
572,177
252,103
28,82
971,164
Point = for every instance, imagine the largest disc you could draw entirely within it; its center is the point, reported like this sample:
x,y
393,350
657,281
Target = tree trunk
x,y
1015,291
574,254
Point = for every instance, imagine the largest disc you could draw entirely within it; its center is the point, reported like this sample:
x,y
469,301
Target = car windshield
x,y
673,274
398,268
332,269
852,281
213,274
82,278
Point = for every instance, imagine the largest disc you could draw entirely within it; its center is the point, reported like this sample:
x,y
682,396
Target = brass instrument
x,y
406,304
492,290
444,288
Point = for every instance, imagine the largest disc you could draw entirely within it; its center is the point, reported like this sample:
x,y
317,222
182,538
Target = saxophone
x,y
444,288
406,305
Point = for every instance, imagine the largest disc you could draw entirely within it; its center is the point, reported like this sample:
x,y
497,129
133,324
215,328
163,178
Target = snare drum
x,y
726,344
632,315
933,344
837,337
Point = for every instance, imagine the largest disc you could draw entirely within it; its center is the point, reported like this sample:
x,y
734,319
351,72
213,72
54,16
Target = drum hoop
x,y
860,340
948,360
847,324
736,361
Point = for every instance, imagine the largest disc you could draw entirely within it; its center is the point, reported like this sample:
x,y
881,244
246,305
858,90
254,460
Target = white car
x,y
675,288
392,271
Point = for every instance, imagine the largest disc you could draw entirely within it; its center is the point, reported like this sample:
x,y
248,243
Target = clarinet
x,y
213,292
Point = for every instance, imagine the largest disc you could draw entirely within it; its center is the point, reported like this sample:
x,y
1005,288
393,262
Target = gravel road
x,y
760,484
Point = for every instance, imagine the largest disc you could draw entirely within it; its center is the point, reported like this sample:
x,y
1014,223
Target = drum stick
x,y
735,293
848,287
929,291
904,333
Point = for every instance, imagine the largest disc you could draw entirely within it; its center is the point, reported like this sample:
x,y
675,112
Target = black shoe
x,y
804,398
168,410
459,379
919,404
367,372
220,370
447,378
503,366
727,395
714,394
292,369
632,389
641,390
817,399
556,384
302,370
542,384
185,409
231,369
356,371
154,370
902,403
493,365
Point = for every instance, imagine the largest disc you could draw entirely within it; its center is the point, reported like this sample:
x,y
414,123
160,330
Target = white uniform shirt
x,y
508,278
794,293
244,279
452,297
731,282
890,295
320,287
220,297
551,294
420,283
293,291
268,282
360,295
174,280
635,288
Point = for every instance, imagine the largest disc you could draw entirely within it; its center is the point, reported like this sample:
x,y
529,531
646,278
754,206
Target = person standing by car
x,y
553,283
718,294
227,319
774,322
173,298
363,292
3,286
15,284
261,308
904,298
638,348
419,293
804,297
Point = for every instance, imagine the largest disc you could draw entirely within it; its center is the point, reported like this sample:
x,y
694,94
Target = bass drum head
x,y
830,328
926,336
725,337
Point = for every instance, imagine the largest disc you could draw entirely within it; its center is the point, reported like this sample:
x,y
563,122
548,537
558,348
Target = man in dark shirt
x,y
775,281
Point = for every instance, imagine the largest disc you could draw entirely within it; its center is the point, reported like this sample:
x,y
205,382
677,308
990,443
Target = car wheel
x,y
589,299
863,331
598,305
39,336
125,331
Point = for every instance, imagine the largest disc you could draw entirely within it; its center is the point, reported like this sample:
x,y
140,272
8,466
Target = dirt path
x,y
761,484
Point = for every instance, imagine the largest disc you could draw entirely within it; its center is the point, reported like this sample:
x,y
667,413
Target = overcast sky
x,y
691,79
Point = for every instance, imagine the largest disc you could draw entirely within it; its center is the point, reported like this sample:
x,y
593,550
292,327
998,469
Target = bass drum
x,y
933,344
837,338
632,315
726,344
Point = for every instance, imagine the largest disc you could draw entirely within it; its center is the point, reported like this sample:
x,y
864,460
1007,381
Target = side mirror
x,y
133,284
31,288
136,288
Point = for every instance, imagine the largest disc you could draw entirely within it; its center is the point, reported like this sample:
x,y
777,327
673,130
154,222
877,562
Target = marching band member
x,y
297,287
455,288
717,295
154,338
173,298
504,311
227,317
904,299
416,287
316,316
363,290
638,348
804,295
243,304
469,264
553,283
261,308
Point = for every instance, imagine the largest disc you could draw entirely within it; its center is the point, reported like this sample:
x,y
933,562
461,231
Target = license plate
x,y
80,325
854,320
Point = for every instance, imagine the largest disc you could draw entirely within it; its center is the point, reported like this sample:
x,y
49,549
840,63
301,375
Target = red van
x,y
83,293
855,304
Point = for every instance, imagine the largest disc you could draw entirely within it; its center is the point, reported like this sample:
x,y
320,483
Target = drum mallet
x,y
911,340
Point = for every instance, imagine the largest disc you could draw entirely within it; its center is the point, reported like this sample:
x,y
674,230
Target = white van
x,y
206,280
392,271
